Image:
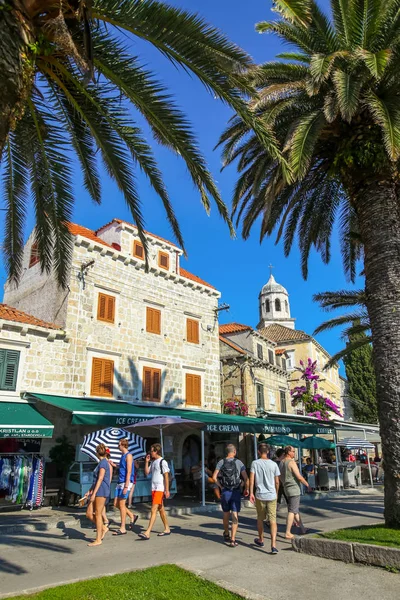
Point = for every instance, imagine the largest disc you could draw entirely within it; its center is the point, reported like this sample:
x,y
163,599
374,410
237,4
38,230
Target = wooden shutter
x,y
138,249
192,331
163,260
193,390
156,385
151,385
9,360
34,256
102,377
153,320
106,308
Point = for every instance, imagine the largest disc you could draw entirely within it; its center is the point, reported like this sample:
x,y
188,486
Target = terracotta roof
x,y
280,333
187,275
86,233
232,345
92,235
280,351
9,313
135,227
233,328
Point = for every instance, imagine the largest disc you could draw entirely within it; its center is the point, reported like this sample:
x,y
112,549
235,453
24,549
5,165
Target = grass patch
x,y
379,535
166,582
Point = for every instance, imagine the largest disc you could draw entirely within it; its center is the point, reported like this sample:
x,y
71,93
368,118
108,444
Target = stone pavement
x,y
31,560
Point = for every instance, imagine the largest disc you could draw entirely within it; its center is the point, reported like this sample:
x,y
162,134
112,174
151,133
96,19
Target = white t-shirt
x,y
157,478
265,471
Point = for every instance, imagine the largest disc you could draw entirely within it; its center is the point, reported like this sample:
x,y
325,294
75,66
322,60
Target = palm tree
x,y
69,84
356,324
332,102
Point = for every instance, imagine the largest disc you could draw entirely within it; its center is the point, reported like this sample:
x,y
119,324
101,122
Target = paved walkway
x,y
37,559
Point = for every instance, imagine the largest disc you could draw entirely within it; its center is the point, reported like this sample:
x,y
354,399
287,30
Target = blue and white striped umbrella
x,y
356,443
110,438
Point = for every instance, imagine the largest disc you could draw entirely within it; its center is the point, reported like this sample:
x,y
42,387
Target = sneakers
x,y
274,550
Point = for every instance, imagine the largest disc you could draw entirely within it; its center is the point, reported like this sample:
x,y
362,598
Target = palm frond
x,y
350,347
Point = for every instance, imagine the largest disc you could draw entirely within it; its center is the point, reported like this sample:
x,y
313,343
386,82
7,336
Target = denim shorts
x,y
230,500
119,491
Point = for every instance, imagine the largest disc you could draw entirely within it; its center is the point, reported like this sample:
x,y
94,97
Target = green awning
x,y
22,420
114,413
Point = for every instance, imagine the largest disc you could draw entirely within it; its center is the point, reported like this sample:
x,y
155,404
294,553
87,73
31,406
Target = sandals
x,y
119,532
233,544
163,534
143,537
227,536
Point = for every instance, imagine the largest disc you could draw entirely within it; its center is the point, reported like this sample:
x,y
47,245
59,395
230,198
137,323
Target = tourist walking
x,y
264,476
291,479
98,494
159,470
279,456
106,522
228,474
125,482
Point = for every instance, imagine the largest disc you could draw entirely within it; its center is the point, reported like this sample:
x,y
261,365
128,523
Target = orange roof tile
x,y
280,351
9,313
75,229
233,328
280,333
231,344
187,275
132,225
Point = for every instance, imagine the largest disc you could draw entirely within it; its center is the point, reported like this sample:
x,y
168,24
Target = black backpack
x,y
228,475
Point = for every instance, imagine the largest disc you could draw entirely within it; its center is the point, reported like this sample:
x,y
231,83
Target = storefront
x,y
22,465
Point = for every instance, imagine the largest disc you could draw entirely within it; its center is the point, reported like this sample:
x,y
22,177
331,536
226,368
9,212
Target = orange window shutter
x,y
157,321
189,331
101,307
197,390
195,332
146,383
156,385
189,389
149,320
107,384
110,314
96,377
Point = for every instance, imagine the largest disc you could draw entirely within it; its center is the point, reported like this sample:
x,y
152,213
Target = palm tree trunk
x,y
12,80
378,209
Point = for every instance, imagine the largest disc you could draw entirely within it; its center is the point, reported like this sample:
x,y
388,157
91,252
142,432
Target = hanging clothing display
x,y
21,479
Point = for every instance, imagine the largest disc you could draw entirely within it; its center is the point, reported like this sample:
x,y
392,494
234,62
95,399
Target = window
x,y
106,308
153,320
290,360
278,305
151,387
138,250
163,260
286,307
271,357
192,331
260,395
267,306
260,353
282,397
102,378
283,361
278,361
9,360
193,390
34,257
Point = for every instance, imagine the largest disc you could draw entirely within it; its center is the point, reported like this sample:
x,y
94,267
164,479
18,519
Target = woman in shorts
x,y
98,494
291,479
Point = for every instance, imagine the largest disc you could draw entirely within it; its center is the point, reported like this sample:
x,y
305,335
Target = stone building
x,y
116,332
253,369
277,325
132,335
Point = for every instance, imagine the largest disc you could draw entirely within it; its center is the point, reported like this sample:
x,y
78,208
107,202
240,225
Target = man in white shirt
x,y
264,474
159,488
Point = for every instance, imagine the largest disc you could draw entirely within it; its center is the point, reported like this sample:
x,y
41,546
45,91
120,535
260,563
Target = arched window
x,y
286,307
278,305
267,306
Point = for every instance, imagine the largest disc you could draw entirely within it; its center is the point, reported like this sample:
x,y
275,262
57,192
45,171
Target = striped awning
x,y
354,443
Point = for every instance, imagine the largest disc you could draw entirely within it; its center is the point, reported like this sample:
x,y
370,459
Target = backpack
x,y
162,470
228,475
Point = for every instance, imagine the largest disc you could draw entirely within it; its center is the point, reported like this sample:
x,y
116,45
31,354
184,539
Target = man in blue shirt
x,y
125,483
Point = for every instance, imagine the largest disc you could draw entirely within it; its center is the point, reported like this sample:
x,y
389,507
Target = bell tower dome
x,y
274,305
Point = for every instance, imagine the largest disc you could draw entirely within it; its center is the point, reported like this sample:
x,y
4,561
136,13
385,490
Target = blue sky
x,y
238,269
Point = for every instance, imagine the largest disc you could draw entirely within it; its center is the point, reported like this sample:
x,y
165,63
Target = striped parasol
x,y
110,437
355,443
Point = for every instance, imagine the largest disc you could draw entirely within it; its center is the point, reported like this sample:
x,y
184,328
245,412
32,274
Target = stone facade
x,y
252,370
103,263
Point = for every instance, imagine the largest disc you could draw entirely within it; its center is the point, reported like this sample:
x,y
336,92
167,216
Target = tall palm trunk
x,y
378,209
13,69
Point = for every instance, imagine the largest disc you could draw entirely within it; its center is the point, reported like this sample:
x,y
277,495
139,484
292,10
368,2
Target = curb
x,y
348,552
79,519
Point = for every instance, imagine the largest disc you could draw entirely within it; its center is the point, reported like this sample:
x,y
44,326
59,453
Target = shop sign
x,y
130,420
223,428
25,432
277,429
325,430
